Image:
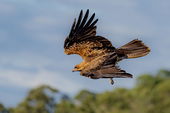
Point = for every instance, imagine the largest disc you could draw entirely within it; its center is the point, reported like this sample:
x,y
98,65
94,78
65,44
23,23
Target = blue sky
x,y
32,33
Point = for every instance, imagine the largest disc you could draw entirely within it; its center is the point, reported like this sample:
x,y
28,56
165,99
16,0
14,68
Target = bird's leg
x,y
111,81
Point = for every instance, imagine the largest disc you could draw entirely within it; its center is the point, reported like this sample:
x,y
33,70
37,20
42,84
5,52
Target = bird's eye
x,y
75,67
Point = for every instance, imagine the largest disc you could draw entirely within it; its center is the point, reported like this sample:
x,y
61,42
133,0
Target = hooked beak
x,y
74,70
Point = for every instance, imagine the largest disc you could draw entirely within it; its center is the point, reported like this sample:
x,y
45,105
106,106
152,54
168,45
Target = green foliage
x,y
3,109
150,95
85,102
65,106
85,95
39,100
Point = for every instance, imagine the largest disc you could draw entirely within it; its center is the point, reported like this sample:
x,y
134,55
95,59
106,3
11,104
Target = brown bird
x,y
99,56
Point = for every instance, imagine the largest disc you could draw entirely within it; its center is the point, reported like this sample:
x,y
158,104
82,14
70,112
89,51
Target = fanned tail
x,y
134,49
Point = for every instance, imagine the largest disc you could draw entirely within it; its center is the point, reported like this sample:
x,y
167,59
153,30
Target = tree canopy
x,y
149,95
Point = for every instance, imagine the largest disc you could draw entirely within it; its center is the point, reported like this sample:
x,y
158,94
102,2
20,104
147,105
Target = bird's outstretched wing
x,y
108,72
104,67
82,39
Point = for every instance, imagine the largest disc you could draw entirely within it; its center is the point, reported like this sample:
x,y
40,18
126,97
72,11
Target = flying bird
x,y
99,56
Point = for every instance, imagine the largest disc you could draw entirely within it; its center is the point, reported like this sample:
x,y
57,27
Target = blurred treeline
x,y
151,94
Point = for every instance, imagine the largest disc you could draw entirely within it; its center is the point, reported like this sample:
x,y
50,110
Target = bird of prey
x,y
99,56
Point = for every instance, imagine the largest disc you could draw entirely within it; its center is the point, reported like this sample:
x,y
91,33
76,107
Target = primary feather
x,y
82,39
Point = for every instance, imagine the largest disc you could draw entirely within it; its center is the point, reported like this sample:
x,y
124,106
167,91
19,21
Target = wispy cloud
x,y
30,80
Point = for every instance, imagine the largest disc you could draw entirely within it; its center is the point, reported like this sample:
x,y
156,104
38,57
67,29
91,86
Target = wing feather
x,y
110,72
79,20
114,72
73,26
82,39
84,19
89,21
84,27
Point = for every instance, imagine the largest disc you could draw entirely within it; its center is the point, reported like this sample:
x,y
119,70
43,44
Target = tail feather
x,y
134,49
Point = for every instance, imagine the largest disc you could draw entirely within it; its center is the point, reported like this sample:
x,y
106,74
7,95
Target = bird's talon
x,y
111,81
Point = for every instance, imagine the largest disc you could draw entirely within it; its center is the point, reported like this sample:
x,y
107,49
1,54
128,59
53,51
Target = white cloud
x,y
30,80
25,59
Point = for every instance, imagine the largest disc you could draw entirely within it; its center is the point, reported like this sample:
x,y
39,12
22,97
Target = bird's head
x,y
76,68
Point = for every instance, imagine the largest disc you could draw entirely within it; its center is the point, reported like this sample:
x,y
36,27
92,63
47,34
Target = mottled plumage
x,y
99,56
